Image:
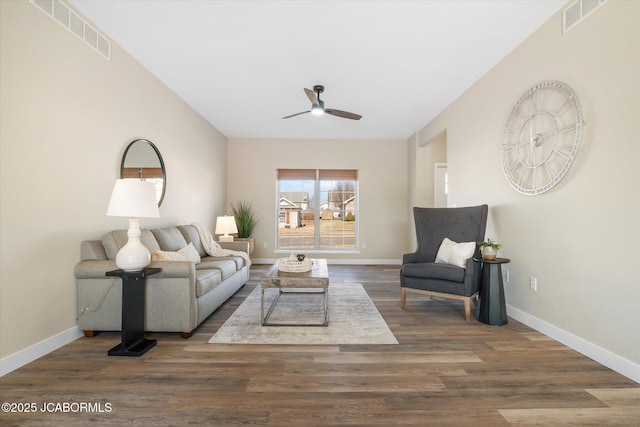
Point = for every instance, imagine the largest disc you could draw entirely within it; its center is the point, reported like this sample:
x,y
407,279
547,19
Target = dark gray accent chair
x,y
419,271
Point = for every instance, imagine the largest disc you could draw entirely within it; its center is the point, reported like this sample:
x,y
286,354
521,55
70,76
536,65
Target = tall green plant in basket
x,y
246,219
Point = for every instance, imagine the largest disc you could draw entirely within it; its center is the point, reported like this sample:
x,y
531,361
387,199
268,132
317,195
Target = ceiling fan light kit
x,y
317,106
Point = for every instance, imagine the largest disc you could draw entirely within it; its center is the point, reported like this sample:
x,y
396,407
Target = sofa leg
x,y
186,335
403,297
90,334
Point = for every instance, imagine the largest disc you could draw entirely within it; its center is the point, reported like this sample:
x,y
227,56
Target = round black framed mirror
x,y
143,160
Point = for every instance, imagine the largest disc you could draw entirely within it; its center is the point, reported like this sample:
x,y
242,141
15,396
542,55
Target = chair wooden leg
x,y
467,309
403,297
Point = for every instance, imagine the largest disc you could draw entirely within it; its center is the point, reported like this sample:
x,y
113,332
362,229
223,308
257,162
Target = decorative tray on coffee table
x,y
293,265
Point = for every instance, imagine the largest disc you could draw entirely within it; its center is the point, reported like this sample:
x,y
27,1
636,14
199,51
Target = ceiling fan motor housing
x,y
317,106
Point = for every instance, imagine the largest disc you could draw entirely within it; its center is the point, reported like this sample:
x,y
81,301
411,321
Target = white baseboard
x,y
611,360
19,359
338,261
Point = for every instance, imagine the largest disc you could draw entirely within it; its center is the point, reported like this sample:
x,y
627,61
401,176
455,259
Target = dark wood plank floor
x,y
444,372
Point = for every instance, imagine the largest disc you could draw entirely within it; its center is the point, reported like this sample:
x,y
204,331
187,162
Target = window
x,y
317,209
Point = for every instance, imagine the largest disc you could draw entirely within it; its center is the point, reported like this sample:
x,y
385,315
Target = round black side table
x,y
491,307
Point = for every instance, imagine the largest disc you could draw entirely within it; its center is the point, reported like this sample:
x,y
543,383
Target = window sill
x,y
318,251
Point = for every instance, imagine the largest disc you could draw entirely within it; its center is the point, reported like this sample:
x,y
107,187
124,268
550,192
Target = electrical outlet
x,y
505,275
363,245
533,284
265,245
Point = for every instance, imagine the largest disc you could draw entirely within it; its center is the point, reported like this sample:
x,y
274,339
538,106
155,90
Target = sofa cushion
x,y
92,250
169,239
432,270
116,239
190,233
240,262
227,266
206,280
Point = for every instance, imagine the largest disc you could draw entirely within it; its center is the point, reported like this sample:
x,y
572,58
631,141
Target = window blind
x,y
296,174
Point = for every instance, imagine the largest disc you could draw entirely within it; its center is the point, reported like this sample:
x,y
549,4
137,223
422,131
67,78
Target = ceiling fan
x,y
317,106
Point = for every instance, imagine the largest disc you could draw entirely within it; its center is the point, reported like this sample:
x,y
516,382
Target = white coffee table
x,y
288,283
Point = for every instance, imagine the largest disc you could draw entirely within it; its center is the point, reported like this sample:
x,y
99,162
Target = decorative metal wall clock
x,y
542,137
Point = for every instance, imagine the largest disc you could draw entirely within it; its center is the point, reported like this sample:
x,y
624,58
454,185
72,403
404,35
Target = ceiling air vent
x,y
577,11
76,25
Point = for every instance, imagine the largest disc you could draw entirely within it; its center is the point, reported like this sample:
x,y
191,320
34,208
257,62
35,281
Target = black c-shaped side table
x,y
133,342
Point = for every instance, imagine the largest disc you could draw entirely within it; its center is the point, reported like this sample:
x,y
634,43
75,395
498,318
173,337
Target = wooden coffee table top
x,y
318,277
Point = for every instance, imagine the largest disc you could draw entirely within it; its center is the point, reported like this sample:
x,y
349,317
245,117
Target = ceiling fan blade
x,y
296,114
344,114
311,95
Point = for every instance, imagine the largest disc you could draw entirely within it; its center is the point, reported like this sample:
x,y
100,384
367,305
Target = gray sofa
x,y
177,299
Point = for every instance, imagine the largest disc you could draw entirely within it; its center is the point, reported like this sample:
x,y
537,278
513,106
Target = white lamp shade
x,y
133,198
226,225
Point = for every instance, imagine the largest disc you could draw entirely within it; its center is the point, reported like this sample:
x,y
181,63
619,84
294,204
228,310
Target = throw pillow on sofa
x,y
188,253
168,256
191,253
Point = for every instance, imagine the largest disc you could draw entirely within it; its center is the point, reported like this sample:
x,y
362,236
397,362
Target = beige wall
x,y
423,155
66,116
428,154
579,239
382,185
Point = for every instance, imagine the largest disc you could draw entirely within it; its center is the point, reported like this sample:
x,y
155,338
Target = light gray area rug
x,y
353,319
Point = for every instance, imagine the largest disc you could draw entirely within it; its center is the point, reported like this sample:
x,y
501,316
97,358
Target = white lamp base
x,y
133,256
226,238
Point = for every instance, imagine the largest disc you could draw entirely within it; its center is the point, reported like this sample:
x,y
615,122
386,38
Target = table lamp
x,y
226,225
135,199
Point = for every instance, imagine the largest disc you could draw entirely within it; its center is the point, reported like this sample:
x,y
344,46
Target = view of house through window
x,y
317,209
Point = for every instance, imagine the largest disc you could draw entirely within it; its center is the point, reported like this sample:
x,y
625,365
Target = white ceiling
x,y
243,64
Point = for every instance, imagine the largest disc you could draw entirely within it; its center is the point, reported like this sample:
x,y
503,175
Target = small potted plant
x,y
489,249
246,222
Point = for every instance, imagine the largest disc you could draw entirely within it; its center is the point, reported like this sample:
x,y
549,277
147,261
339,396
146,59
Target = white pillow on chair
x,y
454,253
